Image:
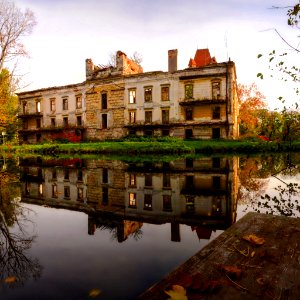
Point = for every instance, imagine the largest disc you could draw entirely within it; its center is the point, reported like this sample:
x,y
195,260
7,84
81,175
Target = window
x,y
54,174
53,122
216,90
40,189
148,94
189,162
165,93
148,180
148,116
189,114
148,202
189,181
216,133
38,106
216,182
104,101
190,203
188,91
78,101
66,176
188,133
132,180
27,188
54,191
24,105
167,203
25,124
104,121
79,120
165,116
67,192
38,123
80,194
79,175
132,115
216,162
148,132
52,104
65,121
216,112
38,137
132,96
65,104
166,180
165,132
104,175
132,200
104,196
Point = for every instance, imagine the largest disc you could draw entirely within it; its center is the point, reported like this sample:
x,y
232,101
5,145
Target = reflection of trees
x,y
14,241
252,187
252,173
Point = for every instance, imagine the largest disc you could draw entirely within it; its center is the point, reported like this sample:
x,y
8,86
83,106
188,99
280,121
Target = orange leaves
x,y
254,240
10,279
177,293
94,293
232,271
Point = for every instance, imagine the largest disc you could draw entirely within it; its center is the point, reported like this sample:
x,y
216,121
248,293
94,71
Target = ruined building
x,y
114,101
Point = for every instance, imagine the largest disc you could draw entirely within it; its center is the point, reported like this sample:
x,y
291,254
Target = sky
x,y
69,31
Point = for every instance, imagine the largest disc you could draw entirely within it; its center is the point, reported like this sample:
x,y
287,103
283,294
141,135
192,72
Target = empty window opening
x,y
148,202
132,96
189,133
104,121
216,133
104,175
165,93
216,112
148,94
189,114
104,101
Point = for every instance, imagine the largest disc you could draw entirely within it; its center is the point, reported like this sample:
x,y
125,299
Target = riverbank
x,y
155,146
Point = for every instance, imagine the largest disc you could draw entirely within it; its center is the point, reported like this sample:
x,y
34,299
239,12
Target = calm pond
x,y
109,229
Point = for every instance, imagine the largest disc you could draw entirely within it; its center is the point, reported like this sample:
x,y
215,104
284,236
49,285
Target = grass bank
x,y
152,146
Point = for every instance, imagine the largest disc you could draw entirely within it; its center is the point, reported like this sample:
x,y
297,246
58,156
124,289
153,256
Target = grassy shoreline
x,y
154,146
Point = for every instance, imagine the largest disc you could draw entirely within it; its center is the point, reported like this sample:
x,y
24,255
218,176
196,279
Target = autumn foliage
x,y
251,101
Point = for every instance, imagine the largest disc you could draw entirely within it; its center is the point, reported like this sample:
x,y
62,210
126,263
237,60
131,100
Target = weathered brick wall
x,y
114,112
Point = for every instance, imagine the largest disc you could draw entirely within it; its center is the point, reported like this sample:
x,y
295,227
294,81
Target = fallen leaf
x,y
177,293
260,281
10,279
232,271
94,293
254,240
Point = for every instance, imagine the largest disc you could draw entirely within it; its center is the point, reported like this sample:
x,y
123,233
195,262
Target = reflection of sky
x,y
75,262
273,184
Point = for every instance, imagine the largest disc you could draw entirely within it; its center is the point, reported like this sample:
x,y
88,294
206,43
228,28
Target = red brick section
x,y
202,58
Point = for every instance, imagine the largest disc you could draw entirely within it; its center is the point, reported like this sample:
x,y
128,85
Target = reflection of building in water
x,y
117,196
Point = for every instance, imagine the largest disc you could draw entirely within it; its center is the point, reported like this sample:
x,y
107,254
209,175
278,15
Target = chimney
x,y
172,61
89,67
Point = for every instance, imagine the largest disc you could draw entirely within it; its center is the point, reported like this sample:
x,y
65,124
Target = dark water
x,y
70,227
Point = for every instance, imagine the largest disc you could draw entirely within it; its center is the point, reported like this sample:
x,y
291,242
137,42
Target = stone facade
x,y
118,100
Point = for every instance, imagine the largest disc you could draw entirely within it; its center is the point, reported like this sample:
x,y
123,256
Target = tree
x,y
8,105
14,25
251,102
278,61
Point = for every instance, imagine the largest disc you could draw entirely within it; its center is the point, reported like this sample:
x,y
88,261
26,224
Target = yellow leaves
x,y
254,240
177,293
10,279
94,293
